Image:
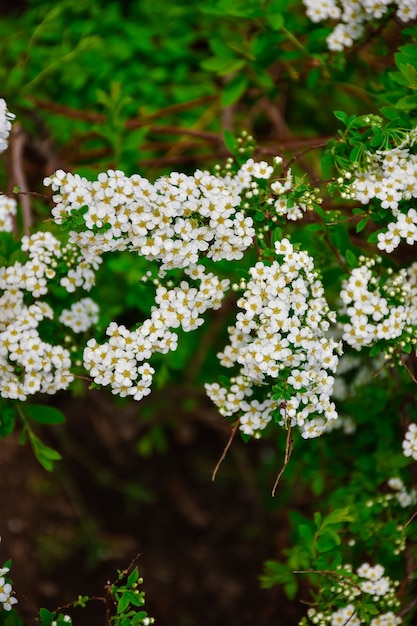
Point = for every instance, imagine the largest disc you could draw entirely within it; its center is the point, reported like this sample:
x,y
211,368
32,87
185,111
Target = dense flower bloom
x,y
7,600
7,213
410,441
279,344
6,119
380,307
353,15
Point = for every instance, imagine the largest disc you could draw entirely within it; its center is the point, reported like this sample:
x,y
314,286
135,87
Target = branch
x,y
228,444
18,175
289,445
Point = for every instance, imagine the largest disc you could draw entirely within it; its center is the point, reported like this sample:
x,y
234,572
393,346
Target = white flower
x,y
6,119
410,442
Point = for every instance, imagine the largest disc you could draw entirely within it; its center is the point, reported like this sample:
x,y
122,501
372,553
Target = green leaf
x,y
327,542
342,116
132,578
123,603
337,516
306,533
234,90
279,574
223,65
376,349
230,142
362,224
46,617
408,103
351,259
7,420
44,414
275,20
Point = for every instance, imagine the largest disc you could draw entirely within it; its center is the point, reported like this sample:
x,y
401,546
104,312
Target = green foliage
x,y
93,99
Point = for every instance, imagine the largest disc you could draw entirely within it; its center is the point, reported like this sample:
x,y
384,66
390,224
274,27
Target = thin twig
x,y
410,520
223,456
18,175
289,445
301,153
408,607
414,379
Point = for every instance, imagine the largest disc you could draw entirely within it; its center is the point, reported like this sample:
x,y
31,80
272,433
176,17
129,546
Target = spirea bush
x,y
312,259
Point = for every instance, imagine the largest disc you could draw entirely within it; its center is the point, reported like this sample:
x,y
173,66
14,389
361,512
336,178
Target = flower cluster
x,y
292,197
354,15
350,588
28,363
390,179
279,344
380,308
7,213
173,221
7,600
404,498
81,316
6,119
122,362
410,442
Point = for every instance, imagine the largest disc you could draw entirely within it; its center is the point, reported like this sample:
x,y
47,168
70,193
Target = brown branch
x,y
336,253
408,607
301,153
18,175
223,456
403,361
99,118
289,445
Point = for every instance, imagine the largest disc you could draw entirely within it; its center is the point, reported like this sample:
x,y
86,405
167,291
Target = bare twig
x,y
289,445
403,361
223,456
18,175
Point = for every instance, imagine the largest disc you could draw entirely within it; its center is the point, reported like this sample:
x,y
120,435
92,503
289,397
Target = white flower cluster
x,y
410,442
7,213
369,580
7,600
379,308
279,339
404,228
404,498
354,15
122,362
173,221
28,364
390,177
6,119
291,210
81,316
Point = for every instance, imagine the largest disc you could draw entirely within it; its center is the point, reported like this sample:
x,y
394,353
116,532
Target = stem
x,y
18,175
223,456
